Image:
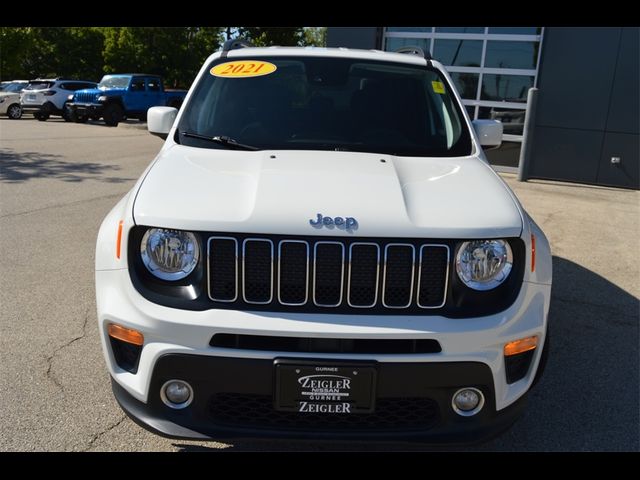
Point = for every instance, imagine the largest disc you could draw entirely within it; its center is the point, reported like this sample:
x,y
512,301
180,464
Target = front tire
x,y
41,117
66,113
113,114
14,112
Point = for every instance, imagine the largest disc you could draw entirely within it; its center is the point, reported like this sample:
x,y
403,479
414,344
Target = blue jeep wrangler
x,y
122,96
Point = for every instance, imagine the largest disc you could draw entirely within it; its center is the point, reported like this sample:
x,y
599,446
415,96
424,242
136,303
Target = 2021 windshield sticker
x,y
243,68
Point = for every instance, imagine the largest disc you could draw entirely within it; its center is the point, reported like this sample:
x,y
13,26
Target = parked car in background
x,y
46,97
10,105
13,86
122,96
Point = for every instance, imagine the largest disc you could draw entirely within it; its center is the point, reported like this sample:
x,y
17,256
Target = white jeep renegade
x,y
321,250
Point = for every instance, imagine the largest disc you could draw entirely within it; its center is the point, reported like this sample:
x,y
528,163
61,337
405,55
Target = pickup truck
x,y
120,96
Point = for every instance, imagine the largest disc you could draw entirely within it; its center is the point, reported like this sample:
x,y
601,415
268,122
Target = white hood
x,y
278,192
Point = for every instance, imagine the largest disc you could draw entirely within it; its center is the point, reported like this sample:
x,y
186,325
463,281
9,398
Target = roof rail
x,y
414,51
234,44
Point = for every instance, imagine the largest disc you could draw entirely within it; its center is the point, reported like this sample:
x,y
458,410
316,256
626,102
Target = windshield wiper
x,y
222,140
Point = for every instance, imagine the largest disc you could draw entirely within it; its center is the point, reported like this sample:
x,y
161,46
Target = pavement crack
x,y
49,373
95,438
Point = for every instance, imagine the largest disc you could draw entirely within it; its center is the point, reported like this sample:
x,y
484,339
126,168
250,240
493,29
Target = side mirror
x,y
489,132
160,120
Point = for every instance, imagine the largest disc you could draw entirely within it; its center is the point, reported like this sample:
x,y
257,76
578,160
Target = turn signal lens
x,y
119,240
520,346
533,252
127,335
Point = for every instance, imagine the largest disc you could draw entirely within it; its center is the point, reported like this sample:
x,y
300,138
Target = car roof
x,y
131,75
327,52
57,80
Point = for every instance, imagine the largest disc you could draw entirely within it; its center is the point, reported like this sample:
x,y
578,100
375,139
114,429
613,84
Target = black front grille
x,y
84,97
325,345
319,274
256,411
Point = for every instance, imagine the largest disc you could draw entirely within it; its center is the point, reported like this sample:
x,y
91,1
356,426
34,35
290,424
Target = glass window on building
x,y
409,29
460,29
467,84
516,30
521,55
505,88
394,44
512,118
463,53
493,69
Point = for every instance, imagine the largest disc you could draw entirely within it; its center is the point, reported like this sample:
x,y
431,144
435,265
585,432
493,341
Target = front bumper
x,y
234,399
86,109
177,343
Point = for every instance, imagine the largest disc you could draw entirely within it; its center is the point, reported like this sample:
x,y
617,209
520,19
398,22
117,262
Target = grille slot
x,y
434,266
398,275
364,266
257,270
293,272
328,274
223,269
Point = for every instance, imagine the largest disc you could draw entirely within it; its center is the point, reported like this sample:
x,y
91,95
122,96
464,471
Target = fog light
x,y
176,394
467,401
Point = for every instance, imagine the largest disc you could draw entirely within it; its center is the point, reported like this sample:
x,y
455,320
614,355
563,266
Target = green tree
x,y
74,52
269,36
15,42
315,36
175,53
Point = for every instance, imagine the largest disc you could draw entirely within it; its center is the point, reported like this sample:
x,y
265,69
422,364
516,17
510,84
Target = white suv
x,y
321,250
46,97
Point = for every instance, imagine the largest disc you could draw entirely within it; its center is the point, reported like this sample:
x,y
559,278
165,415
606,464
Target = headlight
x,y
102,98
484,264
70,97
169,254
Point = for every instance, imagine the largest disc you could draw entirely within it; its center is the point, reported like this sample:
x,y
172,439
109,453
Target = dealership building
x,y
568,97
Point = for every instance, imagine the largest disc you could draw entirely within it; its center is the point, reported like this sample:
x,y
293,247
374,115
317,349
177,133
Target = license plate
x,y
31,97
330,388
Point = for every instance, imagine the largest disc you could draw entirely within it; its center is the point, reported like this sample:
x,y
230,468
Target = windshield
x,y
311,103
13,87
38,85
114,82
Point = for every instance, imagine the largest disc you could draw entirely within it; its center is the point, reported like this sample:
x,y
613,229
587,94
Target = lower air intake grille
x,y
256,411
325,345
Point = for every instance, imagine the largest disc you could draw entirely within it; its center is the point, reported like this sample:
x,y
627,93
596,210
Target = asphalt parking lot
x,y
58,181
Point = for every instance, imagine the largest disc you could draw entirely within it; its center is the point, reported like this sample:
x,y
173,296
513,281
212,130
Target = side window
x,y
137,85
65,86
153,84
